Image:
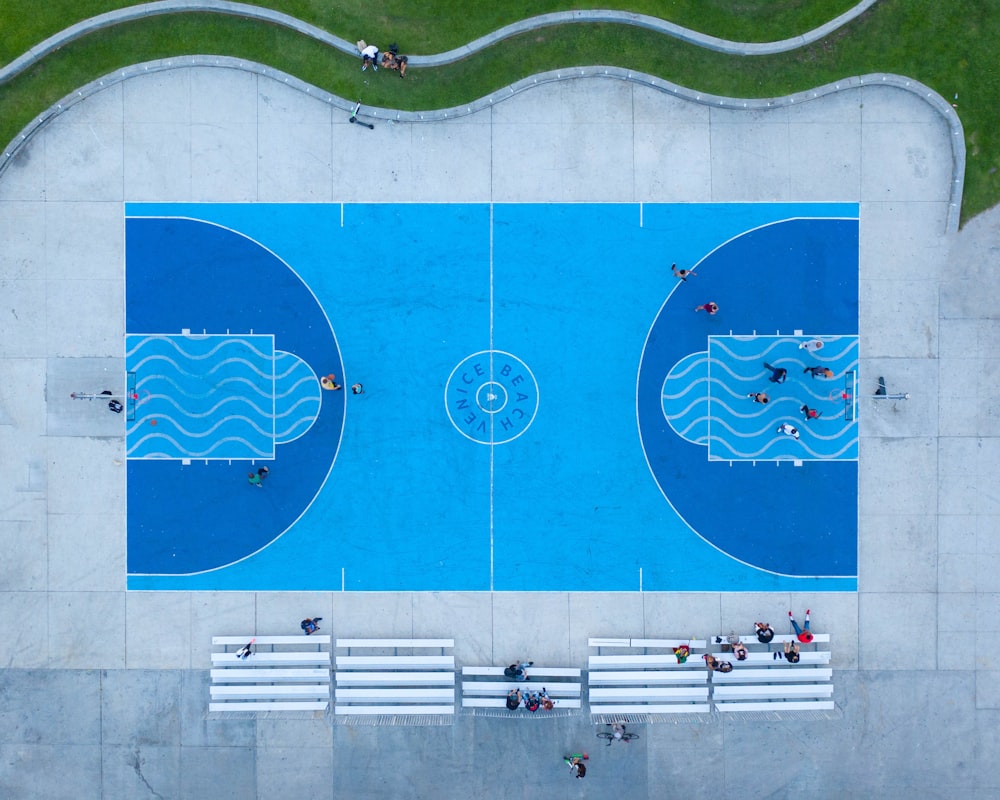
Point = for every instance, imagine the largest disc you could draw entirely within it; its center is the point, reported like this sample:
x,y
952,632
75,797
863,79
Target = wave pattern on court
x,y
543,408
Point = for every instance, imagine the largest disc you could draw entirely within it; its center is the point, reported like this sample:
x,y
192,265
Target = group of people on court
x,y
780,375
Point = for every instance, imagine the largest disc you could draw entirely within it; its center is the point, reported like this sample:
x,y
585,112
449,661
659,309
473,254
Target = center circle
x,y
491,397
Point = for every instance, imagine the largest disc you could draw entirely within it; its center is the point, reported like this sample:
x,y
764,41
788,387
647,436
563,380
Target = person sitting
x,y
517,672
682,652
513,699
765,633
714,665
531,701
547,702
740,651
792,652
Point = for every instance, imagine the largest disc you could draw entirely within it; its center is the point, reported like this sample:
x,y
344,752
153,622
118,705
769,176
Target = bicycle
x,y
610,736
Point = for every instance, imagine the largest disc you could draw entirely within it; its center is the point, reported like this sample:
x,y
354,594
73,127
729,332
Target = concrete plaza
x,y
105,692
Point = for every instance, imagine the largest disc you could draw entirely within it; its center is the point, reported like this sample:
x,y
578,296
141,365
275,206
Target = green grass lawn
x,y
949,46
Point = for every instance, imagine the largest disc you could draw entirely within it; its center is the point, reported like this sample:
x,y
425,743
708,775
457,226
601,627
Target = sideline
x,y
925,93
118,16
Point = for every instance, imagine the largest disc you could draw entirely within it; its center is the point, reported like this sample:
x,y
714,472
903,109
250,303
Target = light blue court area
x,y
218,397
709,398
542,407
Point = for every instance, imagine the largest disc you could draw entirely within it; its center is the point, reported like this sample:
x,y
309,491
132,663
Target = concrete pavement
x,y
105,691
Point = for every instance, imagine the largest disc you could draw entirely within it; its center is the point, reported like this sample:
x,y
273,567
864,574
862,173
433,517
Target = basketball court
x,y
542,407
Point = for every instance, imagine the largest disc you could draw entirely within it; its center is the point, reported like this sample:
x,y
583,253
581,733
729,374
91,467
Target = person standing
x,y
682,274
576,766
310,626
810,413
778,374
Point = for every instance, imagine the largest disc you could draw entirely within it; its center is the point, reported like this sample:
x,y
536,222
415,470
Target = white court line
x,y
492,422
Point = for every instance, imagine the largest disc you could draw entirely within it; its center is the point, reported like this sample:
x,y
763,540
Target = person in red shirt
x,y
803,634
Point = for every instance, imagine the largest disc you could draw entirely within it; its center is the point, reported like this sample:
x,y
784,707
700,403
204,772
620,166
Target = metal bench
x,y
620,710
623,686
643,677
660,661
271,692
395,644
393,710
269,705
777,705
264,675
795,691
282,673
562,684
317,657
501,702
349,678
661,644
500,689
382,663
806,657
533,672
391,685
239,641
647,694
779,638
750,675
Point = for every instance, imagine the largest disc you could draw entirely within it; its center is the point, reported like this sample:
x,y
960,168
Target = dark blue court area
x,y
542,406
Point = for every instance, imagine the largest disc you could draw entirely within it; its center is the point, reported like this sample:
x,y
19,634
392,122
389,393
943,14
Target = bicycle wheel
x,y
605,735
628,737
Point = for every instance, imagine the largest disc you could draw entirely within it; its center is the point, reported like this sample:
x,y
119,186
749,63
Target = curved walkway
x,y
925,93
144,10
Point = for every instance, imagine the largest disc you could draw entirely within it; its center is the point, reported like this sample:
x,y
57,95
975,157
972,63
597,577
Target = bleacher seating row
x,y
626,685
284,673
398,677
382,681
562,684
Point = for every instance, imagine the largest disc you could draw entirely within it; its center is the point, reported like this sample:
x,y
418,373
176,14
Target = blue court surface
x,y
543,408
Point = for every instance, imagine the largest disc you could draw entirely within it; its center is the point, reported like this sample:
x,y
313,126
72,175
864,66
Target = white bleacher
x,y
646,684
562,684
410,685
767,659
282,673
766,683
779,638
